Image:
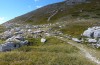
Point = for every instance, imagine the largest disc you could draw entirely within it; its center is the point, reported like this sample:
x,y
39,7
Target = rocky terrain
x,y
61,28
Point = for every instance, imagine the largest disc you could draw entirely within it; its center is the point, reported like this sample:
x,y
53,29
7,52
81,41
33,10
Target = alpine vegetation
x,y
63,33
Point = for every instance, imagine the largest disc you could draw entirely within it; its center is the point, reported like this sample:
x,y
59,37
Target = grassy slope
x,y
89,12
82,17
53,52
40,16
77,27
2,28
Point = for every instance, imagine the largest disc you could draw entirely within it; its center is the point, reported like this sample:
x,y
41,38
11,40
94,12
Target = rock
x,y
29,30
37,31
69,37
12,40
93,32
60,26
16,29
43,40
76,40
47,34
98,43
88,33
8,46
22,43
4,48
19,37
92,40
97,33
17,33
14,44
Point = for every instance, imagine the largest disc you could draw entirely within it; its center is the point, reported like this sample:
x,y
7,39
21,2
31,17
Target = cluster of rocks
x,y
13,43
91,35
15,37
93,32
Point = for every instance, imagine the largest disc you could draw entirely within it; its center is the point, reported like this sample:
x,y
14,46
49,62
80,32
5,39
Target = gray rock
x,y
22,43
4,48
7,46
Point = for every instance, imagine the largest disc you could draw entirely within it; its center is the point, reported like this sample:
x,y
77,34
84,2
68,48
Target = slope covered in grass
x,y
41,15
2,28
53,52
77,27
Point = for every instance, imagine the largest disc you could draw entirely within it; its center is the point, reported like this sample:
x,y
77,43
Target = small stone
x,y
43,40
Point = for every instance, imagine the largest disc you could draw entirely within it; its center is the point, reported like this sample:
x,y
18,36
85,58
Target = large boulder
x,y
8,46
93,32
88,32
11,44
4,47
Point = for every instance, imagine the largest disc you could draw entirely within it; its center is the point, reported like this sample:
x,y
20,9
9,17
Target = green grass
x,y
2,28
41,15
1,41
75,28
53,52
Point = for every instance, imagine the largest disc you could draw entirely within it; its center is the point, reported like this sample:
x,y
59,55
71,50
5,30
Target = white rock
x,y
88,32
76,40
43,40
92,32
12,40
92,40
60,26
97,33
37,31
97,45
29,30
47,34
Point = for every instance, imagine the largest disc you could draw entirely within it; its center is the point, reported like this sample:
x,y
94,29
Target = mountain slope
x,y
54,12
58,49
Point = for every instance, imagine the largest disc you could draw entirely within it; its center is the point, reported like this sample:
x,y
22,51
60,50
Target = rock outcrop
x,y
93,32
13,43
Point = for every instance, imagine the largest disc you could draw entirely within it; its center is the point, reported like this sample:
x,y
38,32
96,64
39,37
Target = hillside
x,y
52,35
2,28
53,12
